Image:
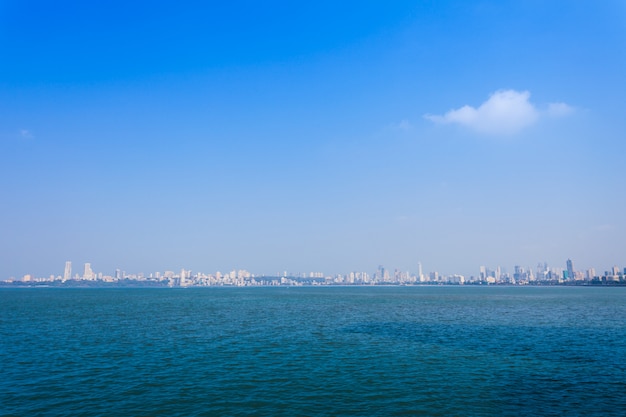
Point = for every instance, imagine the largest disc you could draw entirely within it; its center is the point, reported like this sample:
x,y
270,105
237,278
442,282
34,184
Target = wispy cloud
x,y
559,109
505,112
26,134
603,228
403,125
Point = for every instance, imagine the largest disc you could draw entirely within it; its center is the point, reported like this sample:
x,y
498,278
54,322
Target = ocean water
x,y
330,351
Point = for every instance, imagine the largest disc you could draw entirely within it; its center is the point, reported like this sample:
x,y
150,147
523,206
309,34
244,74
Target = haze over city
x,y
311,137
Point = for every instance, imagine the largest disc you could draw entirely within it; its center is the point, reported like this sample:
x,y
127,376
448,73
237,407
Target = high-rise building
x,y
540,271
67,274
518,273
88,274
570,269
380,274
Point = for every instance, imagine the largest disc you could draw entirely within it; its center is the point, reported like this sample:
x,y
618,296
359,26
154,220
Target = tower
x,y
380,275
88,274
67,274
570,269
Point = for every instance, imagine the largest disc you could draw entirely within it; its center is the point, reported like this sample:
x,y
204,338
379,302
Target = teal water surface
x,y
331,351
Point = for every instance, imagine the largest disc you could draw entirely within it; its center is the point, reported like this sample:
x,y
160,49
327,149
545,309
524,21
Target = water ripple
x,y
313,352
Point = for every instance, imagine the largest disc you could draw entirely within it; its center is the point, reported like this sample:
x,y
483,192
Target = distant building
x,y
570,269
67,274
88,273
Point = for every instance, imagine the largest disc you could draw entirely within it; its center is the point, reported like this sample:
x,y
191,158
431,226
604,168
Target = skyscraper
x,y
68,271
570,269
88,274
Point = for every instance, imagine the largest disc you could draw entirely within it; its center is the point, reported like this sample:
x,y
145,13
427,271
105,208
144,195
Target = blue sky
x,y
321,137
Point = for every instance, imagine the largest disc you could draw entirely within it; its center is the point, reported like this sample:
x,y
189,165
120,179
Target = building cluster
x,y
541,275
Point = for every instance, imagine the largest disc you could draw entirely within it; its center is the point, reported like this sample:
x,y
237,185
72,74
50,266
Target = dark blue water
x,y
432,351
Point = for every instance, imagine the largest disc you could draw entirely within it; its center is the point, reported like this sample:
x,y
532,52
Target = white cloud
x,y
505,112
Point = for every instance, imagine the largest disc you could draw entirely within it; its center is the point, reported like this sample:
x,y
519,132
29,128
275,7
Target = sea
x,y
313,351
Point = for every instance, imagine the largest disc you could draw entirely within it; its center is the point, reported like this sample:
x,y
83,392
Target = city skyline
x,y
298,137
486,274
